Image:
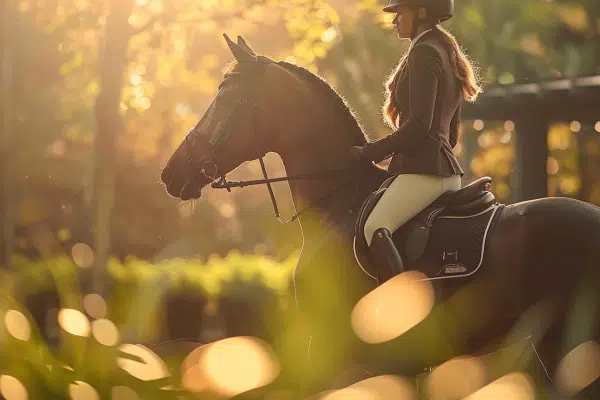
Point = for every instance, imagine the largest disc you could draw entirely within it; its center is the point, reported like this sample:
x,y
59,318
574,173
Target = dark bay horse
x,y
541,274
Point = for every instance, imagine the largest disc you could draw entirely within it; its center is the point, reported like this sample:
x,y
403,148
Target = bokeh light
x,y
513,386
227,210
57,148
73,322
597,127
456,379
152,366
575,126
82,255
82,391
12,389
579,368
552,166
509,126
123,393
94,305
393,308
478,125
379,387
105,332
17,325
230,366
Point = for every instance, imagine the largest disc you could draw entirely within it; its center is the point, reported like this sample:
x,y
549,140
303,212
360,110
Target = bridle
x,y
224,133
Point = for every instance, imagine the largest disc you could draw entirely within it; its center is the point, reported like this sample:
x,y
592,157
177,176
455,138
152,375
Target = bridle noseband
x,y
211,170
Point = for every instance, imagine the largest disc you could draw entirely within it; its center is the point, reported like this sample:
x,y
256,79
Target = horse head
x,y
256,98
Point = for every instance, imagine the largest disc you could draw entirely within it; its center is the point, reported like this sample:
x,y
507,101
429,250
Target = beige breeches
x,y
406,196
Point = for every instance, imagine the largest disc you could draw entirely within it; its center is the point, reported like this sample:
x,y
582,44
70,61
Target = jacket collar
x,y
414,41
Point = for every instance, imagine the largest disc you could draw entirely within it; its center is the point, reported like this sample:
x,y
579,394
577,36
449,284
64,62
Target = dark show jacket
x,y
429,97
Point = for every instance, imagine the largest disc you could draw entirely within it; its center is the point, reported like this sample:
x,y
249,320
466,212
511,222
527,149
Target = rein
x,y
224,184
222,134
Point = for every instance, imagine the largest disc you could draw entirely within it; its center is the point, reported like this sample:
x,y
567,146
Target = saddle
x,y
459,219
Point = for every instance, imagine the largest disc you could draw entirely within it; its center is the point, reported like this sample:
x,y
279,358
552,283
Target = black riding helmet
x,y
440,10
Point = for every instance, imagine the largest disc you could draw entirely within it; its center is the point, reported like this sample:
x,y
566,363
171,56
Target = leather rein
x,y
221,136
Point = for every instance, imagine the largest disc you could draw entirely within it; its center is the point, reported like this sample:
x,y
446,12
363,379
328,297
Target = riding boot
x,y
386,257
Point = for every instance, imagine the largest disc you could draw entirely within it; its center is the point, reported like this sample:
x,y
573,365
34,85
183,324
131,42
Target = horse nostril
x,y
165,176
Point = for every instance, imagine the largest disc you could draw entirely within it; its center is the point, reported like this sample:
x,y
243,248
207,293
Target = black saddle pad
x,y
455,247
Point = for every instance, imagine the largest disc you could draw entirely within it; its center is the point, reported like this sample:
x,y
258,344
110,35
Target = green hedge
x,y
209,277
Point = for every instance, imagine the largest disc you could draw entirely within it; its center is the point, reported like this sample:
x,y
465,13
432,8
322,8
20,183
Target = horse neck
x,y
325,148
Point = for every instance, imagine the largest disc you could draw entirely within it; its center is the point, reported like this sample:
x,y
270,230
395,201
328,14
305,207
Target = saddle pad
x,y
456,245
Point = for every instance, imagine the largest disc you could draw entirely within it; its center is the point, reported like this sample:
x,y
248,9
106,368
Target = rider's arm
x,y
453,138
424,69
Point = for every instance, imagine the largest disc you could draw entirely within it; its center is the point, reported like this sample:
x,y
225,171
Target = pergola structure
x,y
532,107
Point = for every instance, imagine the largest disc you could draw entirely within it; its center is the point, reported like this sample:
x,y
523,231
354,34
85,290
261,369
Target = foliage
x,y
209,278
90,361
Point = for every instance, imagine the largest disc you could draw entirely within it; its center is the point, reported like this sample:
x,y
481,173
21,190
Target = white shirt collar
x,y
414,41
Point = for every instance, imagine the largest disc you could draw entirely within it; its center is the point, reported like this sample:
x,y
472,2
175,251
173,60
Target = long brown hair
x,y
462,67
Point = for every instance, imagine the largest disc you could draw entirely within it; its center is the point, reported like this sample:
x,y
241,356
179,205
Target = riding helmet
x,y
438,9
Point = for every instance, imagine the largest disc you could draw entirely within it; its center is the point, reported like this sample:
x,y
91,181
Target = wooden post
x,y
531,177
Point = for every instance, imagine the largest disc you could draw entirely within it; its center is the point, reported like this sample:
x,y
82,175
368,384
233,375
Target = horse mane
x,y
339,103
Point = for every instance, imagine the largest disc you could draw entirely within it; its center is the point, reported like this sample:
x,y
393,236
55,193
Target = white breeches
x,y
406,196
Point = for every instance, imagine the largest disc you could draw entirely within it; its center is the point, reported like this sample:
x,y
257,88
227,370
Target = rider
x,y
423,104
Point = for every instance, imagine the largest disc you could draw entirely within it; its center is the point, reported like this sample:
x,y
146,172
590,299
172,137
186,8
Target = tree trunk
x,y
7,198
112,68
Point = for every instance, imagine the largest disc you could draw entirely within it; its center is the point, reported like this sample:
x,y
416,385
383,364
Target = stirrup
x,y
386,257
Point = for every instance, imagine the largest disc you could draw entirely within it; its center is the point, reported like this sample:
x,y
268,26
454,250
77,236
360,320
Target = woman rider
x,y
423,104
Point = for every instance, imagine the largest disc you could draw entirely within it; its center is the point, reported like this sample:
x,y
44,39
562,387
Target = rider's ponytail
x,y
462,68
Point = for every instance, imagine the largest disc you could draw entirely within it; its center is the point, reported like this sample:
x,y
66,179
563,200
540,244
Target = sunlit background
x,y
111,289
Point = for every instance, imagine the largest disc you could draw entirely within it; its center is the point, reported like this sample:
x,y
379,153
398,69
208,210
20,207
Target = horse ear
x,y
240,54
242,43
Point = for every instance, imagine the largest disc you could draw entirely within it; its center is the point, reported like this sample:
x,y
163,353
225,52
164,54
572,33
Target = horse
x,y
539,260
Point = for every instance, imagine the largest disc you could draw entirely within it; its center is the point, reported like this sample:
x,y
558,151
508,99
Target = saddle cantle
x,y
446,239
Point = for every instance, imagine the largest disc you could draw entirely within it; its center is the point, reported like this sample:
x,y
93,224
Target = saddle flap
x,y
416,240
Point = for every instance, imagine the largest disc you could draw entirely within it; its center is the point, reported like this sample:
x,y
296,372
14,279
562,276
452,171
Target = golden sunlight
x,y
393,308
74,322
230,366
12,389
82,391
379,387
456,379
579,368
17,325
152,366
94,305
514,386
105,332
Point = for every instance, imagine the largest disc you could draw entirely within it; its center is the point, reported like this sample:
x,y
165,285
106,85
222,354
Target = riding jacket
x,y
429,98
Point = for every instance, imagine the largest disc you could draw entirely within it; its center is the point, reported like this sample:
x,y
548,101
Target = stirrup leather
x,y
385,255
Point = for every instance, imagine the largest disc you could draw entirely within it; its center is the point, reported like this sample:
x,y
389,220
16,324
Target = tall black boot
x,y
386,257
